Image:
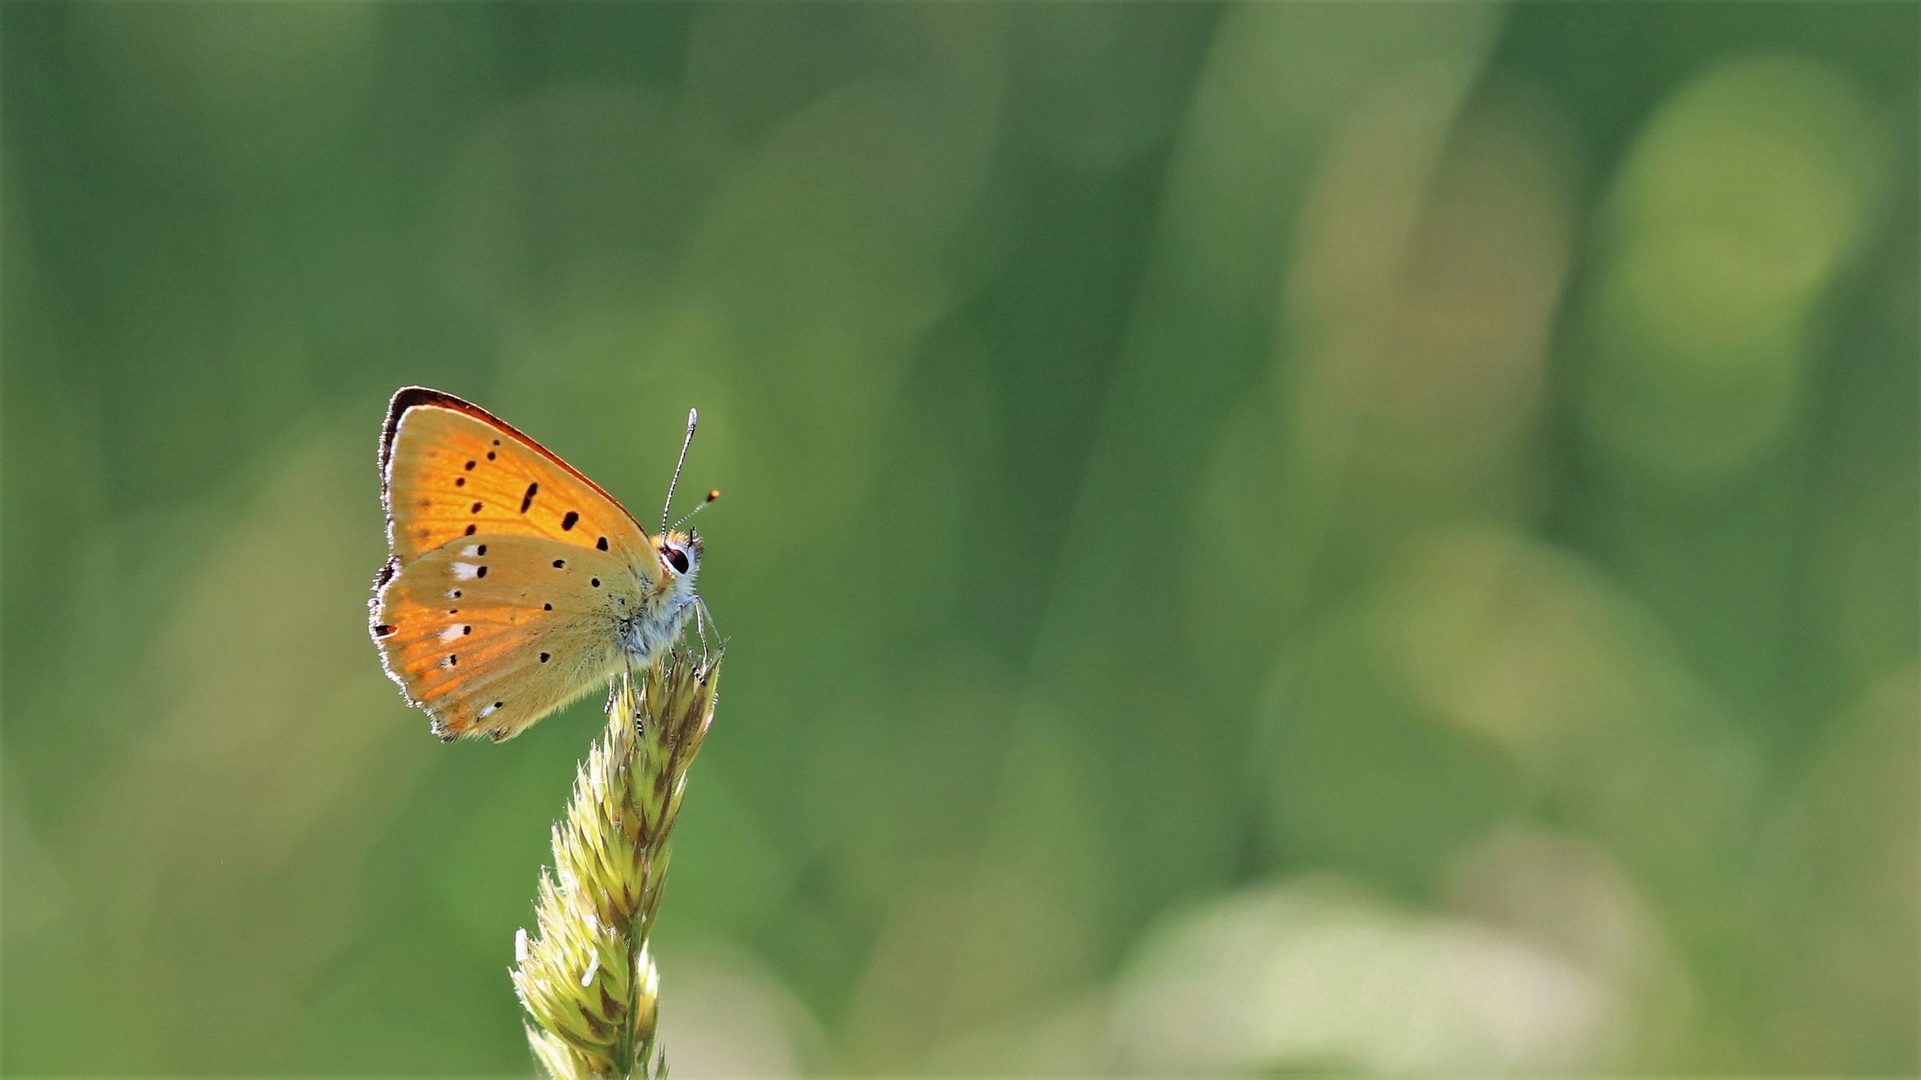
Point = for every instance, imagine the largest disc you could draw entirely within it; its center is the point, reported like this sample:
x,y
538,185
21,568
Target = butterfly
x,y
513,584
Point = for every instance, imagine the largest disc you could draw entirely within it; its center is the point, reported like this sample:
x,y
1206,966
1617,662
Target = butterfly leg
x,y
633,697
679,612
701,607
703,622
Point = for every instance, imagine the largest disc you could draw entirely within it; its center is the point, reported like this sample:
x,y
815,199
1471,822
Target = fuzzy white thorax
x,y
655,628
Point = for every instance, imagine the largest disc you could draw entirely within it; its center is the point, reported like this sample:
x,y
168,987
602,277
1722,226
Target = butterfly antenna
x,y
692,416
689,515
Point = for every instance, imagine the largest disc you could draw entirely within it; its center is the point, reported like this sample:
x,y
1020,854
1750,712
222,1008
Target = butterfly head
x,y
681,552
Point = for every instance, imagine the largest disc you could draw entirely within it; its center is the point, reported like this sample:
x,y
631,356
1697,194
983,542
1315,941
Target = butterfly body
x,y
514,583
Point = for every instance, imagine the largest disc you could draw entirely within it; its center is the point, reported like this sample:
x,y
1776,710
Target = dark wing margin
x,y
408,397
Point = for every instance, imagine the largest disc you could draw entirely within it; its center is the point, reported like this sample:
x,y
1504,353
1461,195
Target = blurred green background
x,y
1373,537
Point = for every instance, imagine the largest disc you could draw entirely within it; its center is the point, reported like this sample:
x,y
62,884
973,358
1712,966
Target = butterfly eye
x,y
678,559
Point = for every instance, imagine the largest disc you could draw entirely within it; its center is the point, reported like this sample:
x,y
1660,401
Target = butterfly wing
x,y
491,634
449,469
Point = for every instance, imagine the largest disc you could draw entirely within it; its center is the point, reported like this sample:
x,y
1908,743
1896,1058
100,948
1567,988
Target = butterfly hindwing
x,y
490,633
450,470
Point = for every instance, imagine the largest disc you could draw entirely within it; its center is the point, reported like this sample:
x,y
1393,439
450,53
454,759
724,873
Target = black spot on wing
x,y
567,522
383,630
544,657
558,563
528,499
470,530
602,545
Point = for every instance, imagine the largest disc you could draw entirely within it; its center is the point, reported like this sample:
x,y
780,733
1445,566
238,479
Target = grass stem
x,y
586,976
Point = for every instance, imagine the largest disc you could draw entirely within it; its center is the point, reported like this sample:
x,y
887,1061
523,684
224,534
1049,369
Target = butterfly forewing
x,y
450,470
491,633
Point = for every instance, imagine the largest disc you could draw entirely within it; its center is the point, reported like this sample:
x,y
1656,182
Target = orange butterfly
x,y
513,583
